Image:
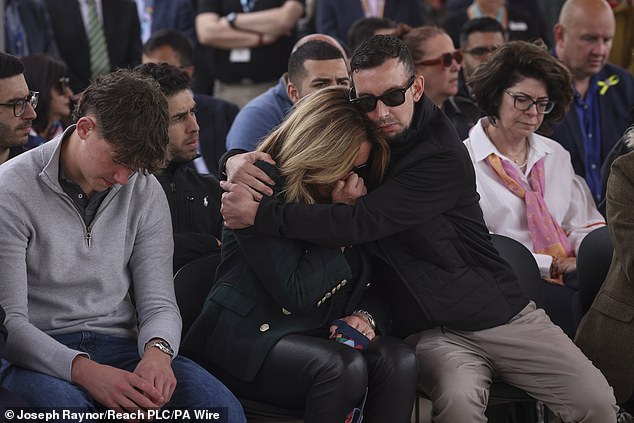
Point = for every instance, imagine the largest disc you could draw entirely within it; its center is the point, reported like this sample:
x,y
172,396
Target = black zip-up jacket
x,y
194,202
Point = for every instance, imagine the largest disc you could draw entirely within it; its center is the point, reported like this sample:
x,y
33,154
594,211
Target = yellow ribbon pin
x,y
610,82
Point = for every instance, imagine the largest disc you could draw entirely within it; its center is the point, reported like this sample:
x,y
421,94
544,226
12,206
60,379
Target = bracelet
x,y
260,39
367,315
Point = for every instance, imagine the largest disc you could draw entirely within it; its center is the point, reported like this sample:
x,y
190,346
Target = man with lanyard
x,y
604,93
252,42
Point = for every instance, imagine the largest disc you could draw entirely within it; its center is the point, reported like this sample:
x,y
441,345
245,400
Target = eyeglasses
x,y
63,84
19,105
391,98
481,51
523,103
446,60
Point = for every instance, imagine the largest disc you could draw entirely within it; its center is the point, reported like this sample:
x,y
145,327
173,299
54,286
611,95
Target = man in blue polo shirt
x,y
314,64
604,93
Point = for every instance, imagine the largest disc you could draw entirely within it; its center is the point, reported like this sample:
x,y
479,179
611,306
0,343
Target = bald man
x,y
317,61
604,93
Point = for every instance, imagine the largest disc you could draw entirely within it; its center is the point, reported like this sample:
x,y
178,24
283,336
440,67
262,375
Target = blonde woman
x,y
266,329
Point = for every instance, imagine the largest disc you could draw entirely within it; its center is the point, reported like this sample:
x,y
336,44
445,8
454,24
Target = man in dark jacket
x,y
604,93
119,23
28,28
452,297
194,199
214,115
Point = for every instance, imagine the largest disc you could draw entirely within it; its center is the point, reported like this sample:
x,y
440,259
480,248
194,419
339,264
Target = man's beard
x,y
8,137
400,137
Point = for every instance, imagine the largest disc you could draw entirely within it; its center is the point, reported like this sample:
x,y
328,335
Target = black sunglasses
x,y
19,105
446,60
481,51
391,98
63,84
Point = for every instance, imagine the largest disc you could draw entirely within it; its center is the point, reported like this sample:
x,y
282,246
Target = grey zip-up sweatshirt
x,y
59,276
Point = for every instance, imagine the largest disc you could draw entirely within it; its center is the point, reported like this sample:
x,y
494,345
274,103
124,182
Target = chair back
x,y
192,283
523,265
593,261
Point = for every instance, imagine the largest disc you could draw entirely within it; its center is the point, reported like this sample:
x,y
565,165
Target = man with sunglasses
x,y
449,293
479,38
17,107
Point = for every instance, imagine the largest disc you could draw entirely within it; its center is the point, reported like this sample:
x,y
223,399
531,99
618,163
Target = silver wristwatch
x,y
163,346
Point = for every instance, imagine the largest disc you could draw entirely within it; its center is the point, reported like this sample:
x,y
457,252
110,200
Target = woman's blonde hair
x,y
319,141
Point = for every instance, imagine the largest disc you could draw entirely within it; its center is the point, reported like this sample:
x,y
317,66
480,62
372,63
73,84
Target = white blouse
x,y
566,194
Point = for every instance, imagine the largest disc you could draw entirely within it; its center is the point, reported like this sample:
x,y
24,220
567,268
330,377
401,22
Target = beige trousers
x,y
530,352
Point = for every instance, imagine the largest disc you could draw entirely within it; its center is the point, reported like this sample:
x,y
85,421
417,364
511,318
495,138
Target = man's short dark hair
x,y
171,79
174,39
484,24
378,49
132,115
364,28
312,50
10,66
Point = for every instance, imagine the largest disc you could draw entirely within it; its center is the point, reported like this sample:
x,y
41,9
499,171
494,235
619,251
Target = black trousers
x,y
563,304
328,379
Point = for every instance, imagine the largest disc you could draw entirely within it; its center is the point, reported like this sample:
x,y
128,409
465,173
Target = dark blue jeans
x,y
196,389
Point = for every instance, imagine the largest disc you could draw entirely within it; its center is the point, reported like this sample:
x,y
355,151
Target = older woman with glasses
x,y
528,188
48,75
436,59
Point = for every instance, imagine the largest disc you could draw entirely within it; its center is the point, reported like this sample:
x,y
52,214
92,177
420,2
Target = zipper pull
x,y
173,186
88,237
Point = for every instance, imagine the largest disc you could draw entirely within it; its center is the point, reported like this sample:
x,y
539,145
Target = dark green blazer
x,y
267,287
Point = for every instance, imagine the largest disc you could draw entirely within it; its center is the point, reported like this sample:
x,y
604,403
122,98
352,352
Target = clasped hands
x,y
246,184
358,322
149,387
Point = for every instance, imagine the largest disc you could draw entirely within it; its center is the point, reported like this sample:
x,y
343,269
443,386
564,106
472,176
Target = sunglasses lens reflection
x,y
448,58
367,104
393,98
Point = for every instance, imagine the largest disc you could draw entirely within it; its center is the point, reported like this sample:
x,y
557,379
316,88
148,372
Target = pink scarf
x,y
548,236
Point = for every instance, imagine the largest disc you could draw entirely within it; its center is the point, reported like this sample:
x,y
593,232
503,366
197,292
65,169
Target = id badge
x,y
240,55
